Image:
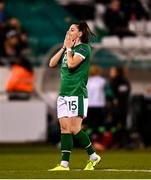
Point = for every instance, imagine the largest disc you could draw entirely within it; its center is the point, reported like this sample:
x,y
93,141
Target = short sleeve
x,y
82,51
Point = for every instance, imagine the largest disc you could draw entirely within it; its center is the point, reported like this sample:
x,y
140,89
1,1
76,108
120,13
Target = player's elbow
x,y
51,64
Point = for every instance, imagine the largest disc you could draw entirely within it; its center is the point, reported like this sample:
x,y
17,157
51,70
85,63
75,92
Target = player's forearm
x,y
70,60
55,59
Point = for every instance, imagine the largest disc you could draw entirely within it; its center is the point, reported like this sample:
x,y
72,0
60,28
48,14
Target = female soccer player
x,y
72,102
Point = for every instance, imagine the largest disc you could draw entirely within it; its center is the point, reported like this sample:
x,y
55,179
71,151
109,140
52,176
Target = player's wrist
x,y
63,48
69,49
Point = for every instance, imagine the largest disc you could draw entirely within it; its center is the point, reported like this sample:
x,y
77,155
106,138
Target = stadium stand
x,y
46,23
41,19
111,42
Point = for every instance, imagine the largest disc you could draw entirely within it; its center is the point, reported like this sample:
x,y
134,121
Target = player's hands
x,y
68,42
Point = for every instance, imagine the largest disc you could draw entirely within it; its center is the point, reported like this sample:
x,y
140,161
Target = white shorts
x,y
70,106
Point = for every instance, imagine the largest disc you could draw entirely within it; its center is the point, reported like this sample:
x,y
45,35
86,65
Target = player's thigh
x,y
65,124
76,124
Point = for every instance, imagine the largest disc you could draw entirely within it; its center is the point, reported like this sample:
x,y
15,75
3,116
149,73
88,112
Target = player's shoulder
x,y
83,47
87,46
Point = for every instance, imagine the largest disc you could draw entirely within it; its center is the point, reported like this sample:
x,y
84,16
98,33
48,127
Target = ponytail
x,y
84,28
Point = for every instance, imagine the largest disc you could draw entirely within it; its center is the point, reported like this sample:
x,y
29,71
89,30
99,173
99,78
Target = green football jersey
x,y
74,81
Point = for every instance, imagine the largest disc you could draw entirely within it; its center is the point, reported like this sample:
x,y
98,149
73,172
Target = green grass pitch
x,y
33,161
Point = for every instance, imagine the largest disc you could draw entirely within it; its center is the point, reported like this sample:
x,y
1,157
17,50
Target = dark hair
x,y
120,71
84,28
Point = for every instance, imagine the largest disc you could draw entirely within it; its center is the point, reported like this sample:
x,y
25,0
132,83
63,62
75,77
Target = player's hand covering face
x,y
72,36
69,42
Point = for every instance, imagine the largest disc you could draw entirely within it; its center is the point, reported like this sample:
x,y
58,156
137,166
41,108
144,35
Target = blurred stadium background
x,y
122,39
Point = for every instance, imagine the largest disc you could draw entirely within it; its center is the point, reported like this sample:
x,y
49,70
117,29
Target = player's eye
x,y
72,29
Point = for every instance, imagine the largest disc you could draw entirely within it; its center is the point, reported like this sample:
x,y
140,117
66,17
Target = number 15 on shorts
x,y
73,105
